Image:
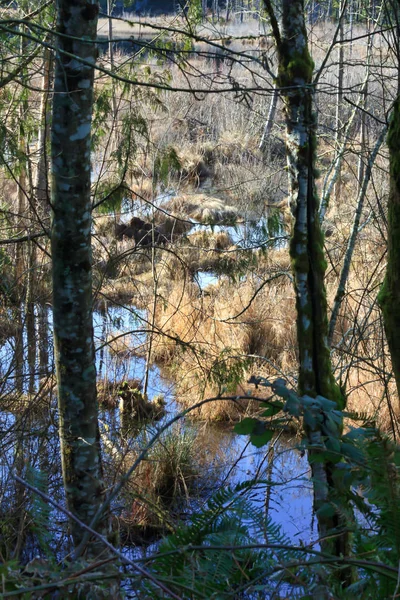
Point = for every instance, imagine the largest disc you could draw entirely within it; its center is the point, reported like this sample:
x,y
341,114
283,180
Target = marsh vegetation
x,y
225,297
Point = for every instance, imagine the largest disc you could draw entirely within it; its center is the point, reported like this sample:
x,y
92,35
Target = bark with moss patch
x,y
307,253
307,243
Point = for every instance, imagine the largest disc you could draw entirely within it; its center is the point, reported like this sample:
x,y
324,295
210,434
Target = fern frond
x,y
39,509
217,552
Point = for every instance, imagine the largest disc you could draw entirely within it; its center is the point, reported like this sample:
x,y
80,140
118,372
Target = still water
x,y
226,458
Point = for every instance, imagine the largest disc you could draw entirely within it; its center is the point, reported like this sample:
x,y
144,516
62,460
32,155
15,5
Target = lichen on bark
x,y
71,255
307,243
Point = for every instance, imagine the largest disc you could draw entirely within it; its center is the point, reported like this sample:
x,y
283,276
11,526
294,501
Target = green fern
x,y
212,556
39,511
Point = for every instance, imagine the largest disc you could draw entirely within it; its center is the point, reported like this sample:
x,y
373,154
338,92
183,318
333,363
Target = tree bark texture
x,y
72,261
307,244
269,123
307,247
389,296
41,178
339,94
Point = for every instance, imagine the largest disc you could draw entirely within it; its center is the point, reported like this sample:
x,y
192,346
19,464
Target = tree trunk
x,y
270,120
30,316
20,263
40,210
351,25
227,10
41,179
72,264
43,339
18,358
389,296
306,248
112,69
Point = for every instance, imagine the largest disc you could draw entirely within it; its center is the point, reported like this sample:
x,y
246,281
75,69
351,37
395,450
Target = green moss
x,y
317,247
299,262
383,296
295,66
302,66
312,323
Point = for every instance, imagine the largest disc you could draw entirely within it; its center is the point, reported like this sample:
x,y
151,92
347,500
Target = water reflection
x,y
220,457
289,498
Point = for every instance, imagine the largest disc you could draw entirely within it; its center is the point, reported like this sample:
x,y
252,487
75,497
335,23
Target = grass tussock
x,y
108,391
162,484
213,339
203,207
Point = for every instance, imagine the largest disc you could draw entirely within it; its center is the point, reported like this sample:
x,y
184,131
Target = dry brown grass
x,y
202,251
202,207
164,481
144,188
230,324
224,174
370,398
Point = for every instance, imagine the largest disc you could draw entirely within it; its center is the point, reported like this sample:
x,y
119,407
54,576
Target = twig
x,y
24,238
103,539
352,240
114,493
369,114
258,290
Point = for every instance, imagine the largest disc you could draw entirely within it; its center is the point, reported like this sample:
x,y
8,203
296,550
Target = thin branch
x,y
334,42
94,533
328,186
11,76
274,24
258,290
36,12
24,238
365,111
352,240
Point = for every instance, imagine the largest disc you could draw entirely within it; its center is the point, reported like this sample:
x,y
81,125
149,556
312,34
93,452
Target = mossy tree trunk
x,y
306,247
72,263
389,296
307,244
